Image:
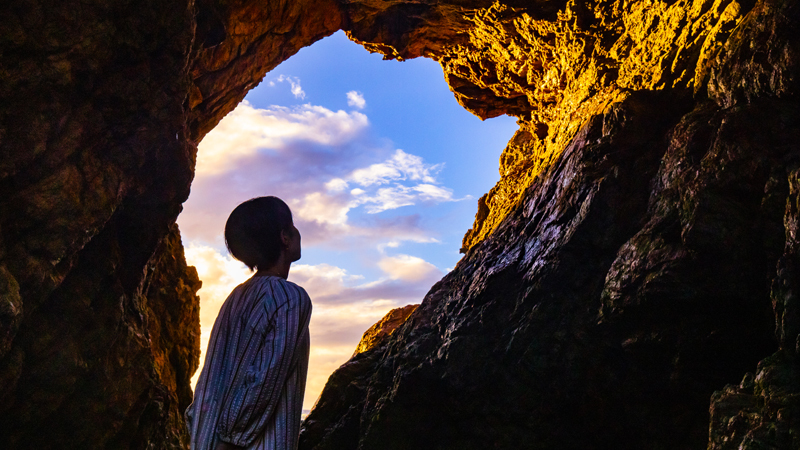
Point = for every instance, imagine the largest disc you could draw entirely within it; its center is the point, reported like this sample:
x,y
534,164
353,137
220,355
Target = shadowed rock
x,y
334,421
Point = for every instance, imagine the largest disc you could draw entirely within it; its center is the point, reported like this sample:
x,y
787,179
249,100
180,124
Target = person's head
x,y
259,230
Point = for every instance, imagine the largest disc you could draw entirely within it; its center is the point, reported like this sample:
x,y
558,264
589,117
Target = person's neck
x,y
279,269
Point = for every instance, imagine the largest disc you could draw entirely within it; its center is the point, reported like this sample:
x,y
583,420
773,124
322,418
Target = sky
x,y
382,169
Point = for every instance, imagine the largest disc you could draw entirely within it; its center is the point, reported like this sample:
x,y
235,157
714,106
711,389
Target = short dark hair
x,y
253,231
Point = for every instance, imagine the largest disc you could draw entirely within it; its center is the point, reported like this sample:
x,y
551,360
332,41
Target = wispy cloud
x,y
398,196
356,99
408,268
322,163
294,82
401,166
407,180
246,131
344,306
339,181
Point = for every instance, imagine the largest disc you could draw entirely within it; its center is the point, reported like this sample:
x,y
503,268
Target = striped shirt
x,y
250,391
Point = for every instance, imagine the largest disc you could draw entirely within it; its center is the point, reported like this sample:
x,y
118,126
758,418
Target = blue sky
x,y
382,169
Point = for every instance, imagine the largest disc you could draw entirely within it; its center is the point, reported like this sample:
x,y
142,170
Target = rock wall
x,y
637,255
101,107
334,421
379,333
605,310
94,164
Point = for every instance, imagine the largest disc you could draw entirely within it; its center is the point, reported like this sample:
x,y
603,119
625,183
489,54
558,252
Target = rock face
x,y
620,296
94,163
101,106
334,421
637,261
763,411
638,255
379,333
97,370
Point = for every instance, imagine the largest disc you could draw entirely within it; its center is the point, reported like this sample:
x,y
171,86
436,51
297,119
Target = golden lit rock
x,y
618,274
378,333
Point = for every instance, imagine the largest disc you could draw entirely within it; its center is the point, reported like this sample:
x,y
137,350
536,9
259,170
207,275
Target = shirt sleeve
x,y
259,383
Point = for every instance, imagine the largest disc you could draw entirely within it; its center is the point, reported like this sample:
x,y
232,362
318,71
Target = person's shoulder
x,y
295,288
297,297
262,289
280,290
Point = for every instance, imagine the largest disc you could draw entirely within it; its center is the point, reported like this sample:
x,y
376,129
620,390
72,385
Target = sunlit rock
x,y
380,332
637,256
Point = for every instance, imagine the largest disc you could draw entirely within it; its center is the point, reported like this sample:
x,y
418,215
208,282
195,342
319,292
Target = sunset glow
x,y
382,169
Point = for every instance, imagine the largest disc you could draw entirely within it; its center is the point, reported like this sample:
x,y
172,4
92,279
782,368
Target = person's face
x,y
292,240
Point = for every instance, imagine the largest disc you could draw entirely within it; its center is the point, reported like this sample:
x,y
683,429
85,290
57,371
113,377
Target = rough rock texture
x,y
101,106
334,421
173,315
763,411
629,287
87,392
380,332
637,255
238,41
94,163
628,278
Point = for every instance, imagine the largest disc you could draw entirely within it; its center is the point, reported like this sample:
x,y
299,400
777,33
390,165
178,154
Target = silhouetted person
x,y
250,391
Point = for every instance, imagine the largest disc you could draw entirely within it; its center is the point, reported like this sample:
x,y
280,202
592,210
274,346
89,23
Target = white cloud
x,y
388,198
343,309
398,196
408,268
322,279
401,166
430,192
409,278
322,208
336,185
247,131
297,91
384,245
356,99
321,163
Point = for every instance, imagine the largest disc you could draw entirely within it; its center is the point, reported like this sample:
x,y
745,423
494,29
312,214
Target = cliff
x,y
378,334
94,369
334,421
635,263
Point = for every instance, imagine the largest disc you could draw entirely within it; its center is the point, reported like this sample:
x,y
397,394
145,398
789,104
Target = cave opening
x,y
382,169
638,256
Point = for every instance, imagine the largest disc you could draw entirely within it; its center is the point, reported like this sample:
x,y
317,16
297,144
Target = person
x,y
250,391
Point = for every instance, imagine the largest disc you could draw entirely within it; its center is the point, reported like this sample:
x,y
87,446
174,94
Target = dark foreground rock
x,y
72,388
334,421
607,309
651,264
763,411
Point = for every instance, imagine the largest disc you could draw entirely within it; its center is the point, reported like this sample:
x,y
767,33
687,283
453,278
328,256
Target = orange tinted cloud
x,y
336,326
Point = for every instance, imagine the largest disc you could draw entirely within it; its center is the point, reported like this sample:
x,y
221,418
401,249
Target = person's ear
x,y
285,238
